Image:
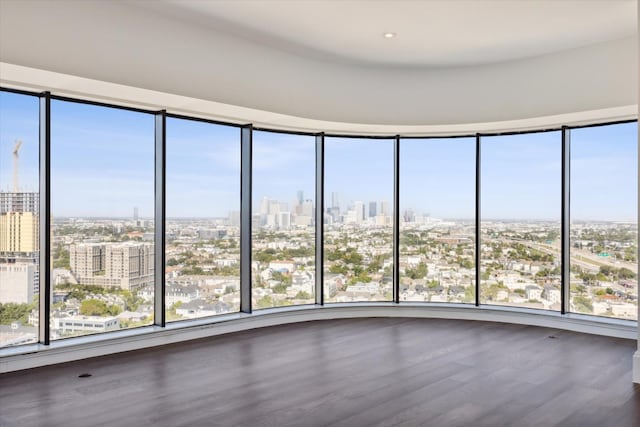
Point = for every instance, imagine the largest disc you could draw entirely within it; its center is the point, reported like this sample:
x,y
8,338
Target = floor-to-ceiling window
x,y
103,198
283,223
437,220
19,218
202,255
520,220
604,228
358,230
102,216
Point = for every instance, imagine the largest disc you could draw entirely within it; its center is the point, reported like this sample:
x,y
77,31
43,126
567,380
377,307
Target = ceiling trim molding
x,y
37,80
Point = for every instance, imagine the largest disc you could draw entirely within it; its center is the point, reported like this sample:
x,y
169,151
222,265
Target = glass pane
x,y
437,220
19,225
203,219
520,229
102,208
604,236
358,233
283,229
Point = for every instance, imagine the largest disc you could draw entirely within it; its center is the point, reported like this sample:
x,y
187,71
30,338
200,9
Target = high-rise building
x,y
384,208
26,201
359,208
18,224
19,246
131,264
373,209
264,206
18,233
86,260
126,265
284,220
409,215
335,200
307,208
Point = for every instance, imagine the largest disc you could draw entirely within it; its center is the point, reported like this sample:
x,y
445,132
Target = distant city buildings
x,y
276,215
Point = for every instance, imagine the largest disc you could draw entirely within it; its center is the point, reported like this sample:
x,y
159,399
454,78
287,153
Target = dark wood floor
x,y
361,372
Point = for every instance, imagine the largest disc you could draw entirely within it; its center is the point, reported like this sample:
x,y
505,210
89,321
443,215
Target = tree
x,y
93,307
265,302
607,271
625,273
419,272
303,295
12,312
338,269
583,304
61,258
280,288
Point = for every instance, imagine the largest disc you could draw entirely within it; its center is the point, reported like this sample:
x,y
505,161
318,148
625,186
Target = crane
x,y
16,158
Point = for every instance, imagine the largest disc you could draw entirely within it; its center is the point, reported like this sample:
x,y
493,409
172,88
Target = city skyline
x,y
203,165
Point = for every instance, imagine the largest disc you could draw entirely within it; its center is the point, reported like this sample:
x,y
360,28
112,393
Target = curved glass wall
x,y
358,230
202,248
102,226
437,220
19,219
520,220
104,175
283,229
604,227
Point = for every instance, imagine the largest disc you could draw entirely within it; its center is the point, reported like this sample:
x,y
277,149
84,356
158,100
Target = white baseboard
x,y
31,356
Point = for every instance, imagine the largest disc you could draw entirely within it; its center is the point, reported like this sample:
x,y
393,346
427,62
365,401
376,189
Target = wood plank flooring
x,y
355,372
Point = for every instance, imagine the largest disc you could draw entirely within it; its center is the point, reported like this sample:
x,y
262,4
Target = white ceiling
x,y
429,33
238,60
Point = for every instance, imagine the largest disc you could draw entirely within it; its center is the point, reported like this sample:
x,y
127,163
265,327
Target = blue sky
x,y
521,175
437,177
203,169
283,164
103,166
358,170
19,118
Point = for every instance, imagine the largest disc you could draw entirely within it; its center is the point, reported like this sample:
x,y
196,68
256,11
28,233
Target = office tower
x,y
300,196
409,215
359,209
264,206
135,213
307,208
125,265
335,201
372,209
384,208
284,220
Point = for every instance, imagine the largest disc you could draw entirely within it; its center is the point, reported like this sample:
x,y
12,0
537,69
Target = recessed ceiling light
x,y
389,35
